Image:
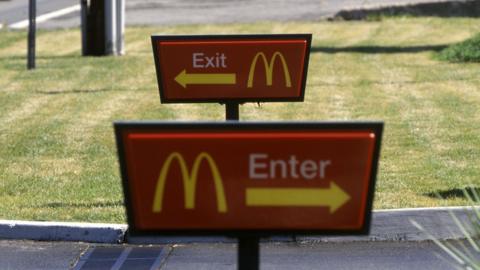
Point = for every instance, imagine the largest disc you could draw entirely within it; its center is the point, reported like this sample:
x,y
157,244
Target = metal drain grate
x,y
122,258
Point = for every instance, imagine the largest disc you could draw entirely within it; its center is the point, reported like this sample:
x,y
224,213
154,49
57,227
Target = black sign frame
x,y
122,128
195,38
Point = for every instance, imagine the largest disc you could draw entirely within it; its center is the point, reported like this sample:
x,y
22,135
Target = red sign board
x,y
230,178
231,68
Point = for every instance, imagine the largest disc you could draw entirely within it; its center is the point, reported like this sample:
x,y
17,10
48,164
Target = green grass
x,y
465,51
57,154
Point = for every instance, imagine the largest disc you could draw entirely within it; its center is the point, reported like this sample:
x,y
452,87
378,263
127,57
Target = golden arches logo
x,y
269,68
189,181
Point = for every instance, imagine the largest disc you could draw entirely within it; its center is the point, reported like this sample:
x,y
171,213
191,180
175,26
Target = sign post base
x,y
248,253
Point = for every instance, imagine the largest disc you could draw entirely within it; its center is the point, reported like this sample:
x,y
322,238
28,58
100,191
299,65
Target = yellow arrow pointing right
x,y
333,197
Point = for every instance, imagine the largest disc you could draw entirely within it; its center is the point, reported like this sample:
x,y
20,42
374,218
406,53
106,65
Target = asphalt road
x,y
13,11
174,12
28,255
365,255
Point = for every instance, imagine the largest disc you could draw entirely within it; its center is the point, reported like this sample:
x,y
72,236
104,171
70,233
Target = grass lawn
x,y
57,154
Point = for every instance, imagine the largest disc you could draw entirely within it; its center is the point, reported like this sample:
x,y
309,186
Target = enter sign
x,y
260,178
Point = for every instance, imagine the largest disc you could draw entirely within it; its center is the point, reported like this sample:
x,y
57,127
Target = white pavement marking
x,y
121,259
46,17
83,259
161,258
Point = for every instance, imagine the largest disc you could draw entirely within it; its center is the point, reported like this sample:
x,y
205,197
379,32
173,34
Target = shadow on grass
x,y
41,57
83,205
389,82
19,62
378,49
77,91
92,91
453,193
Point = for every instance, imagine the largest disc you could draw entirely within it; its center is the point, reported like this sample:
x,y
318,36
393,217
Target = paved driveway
x,y
26,255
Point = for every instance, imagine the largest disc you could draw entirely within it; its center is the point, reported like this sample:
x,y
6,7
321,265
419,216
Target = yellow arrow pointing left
x,y
333,197
184,78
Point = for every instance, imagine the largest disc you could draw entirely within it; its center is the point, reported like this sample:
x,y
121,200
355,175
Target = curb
x,y
395,225
62,231
387,225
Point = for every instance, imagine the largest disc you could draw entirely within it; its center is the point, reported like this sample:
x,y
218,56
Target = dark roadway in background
x,y
173,12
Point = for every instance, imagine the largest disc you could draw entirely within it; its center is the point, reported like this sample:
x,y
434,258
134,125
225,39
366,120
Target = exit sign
x,y
241,68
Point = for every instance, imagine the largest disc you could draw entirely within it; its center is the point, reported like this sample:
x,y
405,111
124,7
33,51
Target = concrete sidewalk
x,y
387,225
435,8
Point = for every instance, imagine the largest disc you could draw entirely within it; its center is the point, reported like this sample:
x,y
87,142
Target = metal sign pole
x,y
32,15
120,27
248,246
110,27
84,27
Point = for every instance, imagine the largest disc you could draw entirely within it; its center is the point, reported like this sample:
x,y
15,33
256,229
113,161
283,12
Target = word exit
x,y
201,60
